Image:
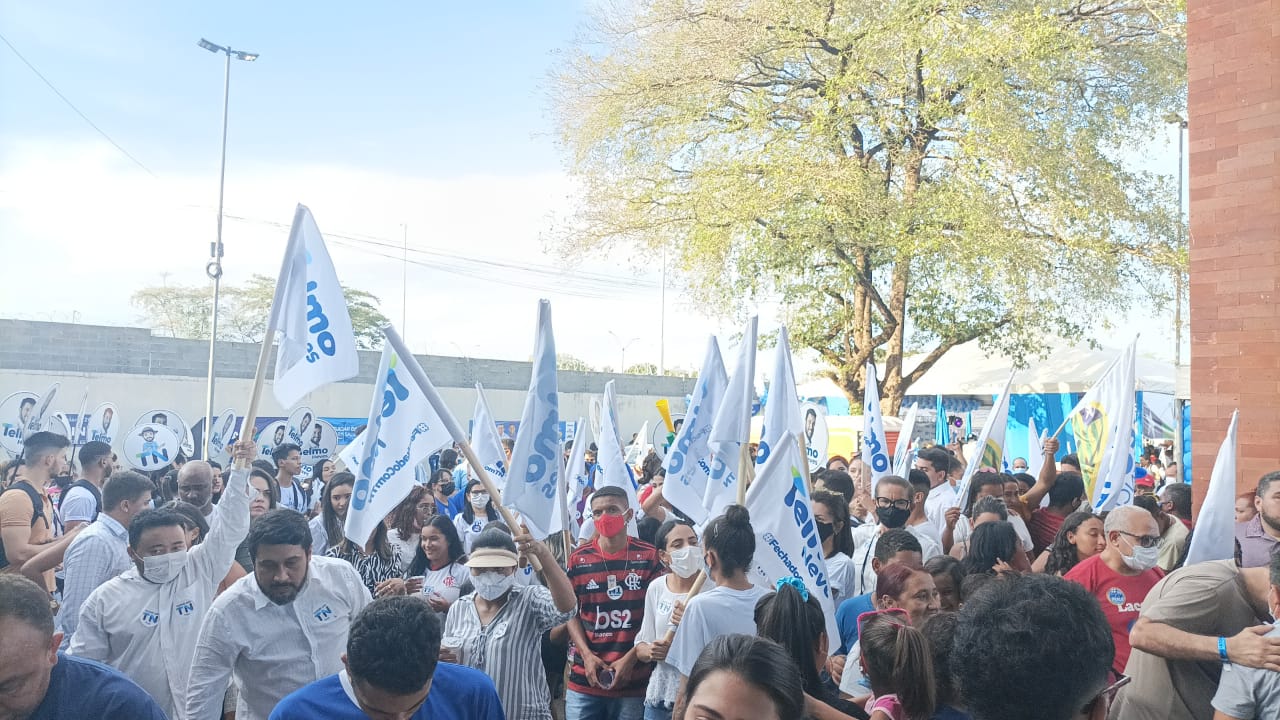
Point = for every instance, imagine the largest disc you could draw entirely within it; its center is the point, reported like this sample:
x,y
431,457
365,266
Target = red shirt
x,y
1044,528
611,593
1121,597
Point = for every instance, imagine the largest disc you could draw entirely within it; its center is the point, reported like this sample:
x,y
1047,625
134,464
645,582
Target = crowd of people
x,y
235,593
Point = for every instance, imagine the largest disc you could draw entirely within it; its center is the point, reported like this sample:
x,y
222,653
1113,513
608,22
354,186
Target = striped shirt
x,y
373,568
509,649
611,596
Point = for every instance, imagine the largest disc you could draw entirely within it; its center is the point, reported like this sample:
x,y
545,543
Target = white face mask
x,y
686,562
479,500
160,569
1142,558
492,585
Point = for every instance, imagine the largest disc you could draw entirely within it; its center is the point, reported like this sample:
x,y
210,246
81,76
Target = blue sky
x,y
425,120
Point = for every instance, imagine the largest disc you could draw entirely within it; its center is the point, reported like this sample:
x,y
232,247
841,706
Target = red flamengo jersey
x,y
611,593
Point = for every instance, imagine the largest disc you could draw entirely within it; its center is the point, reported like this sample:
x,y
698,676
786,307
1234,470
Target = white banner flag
x,y
535,460
576,472
989,452
612,465
782,408
317,346
403,431
485,441
1102,423
688,461
787,542
1035,449
731,428
875,445
902,452
1214,538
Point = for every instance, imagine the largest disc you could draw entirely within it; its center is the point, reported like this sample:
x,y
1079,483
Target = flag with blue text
x,y
486,443
875,446
731,428
534,477
688,462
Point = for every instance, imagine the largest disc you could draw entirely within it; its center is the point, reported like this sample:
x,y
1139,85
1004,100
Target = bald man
x,y
195,485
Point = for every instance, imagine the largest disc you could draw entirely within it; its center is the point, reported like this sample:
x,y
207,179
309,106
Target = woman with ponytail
x,y
678,549
898,661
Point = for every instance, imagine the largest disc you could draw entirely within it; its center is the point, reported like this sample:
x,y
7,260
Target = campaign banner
x,y
989,452
299,424
576,475
58,424
486,443
534,478
731,428
151,446
782,408
35,420
270,437
688,462
875,444
817,436
102,424
225,433
903,454
15,412
611,463
1103,425
174,422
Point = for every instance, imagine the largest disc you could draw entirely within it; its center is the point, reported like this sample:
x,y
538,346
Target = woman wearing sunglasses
x,y
1121,575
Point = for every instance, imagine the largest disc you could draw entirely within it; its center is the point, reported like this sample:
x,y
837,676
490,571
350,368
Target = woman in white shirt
x,y
831,513
477,512
405,525
960,525
438,568
678,549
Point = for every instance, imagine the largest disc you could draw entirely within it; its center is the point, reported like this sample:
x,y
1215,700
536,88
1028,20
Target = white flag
x,y
902,448
637,450
989,452
782,408
1214,538
1035,449
787,542
403,431
575,474
875,445
535,460
486,443
612,465
688,461
731,428
317,346
1103,425
350,455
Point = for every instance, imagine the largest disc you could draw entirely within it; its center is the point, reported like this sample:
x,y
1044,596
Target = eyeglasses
x,y
886,503
1146,541
1108,694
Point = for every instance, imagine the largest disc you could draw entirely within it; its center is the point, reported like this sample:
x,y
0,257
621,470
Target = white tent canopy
x,y
968,370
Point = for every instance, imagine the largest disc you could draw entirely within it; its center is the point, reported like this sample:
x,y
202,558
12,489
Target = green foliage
x,y
183,311
899,173
642,369
565,361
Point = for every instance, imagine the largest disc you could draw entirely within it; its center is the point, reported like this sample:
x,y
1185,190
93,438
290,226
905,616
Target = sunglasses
x,y
1146,541
1108,694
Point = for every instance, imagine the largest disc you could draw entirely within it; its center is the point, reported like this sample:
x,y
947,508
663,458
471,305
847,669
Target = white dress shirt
x,y
148,631
272,650
942,498
99,553
864,546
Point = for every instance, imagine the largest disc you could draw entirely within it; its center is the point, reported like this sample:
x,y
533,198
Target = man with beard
x,y
83,500
279,629
1256,538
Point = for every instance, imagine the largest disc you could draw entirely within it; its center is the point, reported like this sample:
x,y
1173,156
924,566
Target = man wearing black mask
x,y
894,502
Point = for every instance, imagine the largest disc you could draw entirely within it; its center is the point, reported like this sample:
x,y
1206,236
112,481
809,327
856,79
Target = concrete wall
x,y
1233,67
139,372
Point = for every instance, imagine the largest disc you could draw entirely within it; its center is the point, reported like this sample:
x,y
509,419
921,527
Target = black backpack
x,y
93,490
37,511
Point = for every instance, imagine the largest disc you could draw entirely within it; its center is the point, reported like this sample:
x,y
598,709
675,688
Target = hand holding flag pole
x,y
455,430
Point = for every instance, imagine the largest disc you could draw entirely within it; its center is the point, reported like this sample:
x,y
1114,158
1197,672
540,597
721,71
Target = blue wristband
x,y
1222,651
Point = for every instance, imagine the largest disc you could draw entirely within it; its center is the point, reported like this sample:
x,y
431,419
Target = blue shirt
x,y
847,620
457,692
88,690
456,502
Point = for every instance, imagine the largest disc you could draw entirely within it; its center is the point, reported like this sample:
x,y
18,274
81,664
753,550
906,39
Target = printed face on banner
x,y
35,418
102,424
300,422
271,436
658,438
171,420
225,434
816,435
319,442
150,447
15,412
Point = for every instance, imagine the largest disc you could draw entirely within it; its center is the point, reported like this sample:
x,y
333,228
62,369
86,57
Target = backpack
x,y
37,511
93,490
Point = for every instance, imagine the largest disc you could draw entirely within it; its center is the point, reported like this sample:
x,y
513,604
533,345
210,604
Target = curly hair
x,y
1062,552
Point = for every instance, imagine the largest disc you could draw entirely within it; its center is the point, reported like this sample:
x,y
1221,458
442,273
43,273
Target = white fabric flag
x,y
486,443
403,431
317,346
574,479
787,542
1035,449
731,427
688,462
535,460
902,454
350,455
875,445
989,451
782,408
1214,538
1103,425
611,464
638,449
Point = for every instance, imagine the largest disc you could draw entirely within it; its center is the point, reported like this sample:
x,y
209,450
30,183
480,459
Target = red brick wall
x,y
1233,65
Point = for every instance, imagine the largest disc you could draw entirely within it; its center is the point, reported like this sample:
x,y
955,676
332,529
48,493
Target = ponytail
x,y
899,661
797,623
731,537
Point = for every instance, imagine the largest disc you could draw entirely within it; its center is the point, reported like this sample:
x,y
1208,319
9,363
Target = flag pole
x,y
694,589
455,430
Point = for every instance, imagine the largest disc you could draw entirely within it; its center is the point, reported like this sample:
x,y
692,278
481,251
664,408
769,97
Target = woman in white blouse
x,y
438,568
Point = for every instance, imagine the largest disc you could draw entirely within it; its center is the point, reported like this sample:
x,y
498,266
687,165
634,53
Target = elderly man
x,y
1121,575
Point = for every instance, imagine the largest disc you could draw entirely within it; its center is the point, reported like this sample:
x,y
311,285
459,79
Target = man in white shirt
x,y
145,622
894,503
288,460
918,523
101,551
195,485
281,628
935,463
83,500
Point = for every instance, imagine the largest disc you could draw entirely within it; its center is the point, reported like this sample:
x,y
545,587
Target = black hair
x,y
899,661
760,662
494,537
279,527
892,542
841,539
945,565
273,487
282,451
1062,552
1024,479
26,601
937,457
1264,483
1148,503
731,537
1018,631
264,466
939,630
660,537
978,481
919,482
991,504
93,451
317,471
419,564
333,525
954,466
1067,489
192,519
42,443
972,584
611,491
468,512
1071,459
838,481
448,459
798,625
394,644
153,518
125,485
989,543
647,529
1179,494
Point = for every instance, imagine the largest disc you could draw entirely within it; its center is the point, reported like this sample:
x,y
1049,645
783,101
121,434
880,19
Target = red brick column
x,y
1233,64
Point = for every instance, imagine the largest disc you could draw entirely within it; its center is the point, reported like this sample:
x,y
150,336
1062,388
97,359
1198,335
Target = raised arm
x,y
1048,476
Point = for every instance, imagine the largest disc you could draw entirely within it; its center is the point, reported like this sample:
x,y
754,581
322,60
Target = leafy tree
x,y
642,369
904,175
182,311
564,361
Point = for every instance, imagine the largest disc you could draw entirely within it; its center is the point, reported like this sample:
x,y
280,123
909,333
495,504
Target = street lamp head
x,y
1174,118
246,56
211,47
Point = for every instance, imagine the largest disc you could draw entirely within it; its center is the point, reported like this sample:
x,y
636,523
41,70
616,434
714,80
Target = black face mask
x,y
892,517
448,488
825,530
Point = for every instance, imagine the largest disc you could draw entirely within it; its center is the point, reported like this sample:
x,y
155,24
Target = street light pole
x,y
623,349
214,267
1179,408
